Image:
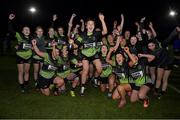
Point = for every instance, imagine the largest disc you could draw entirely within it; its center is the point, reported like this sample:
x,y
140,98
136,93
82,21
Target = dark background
x,y
154,10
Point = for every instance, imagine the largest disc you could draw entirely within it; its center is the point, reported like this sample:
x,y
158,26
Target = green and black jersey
x,y
106,68
88,42
50,66
74,59
137,74
41,46
24,46
48,41
61,40
63,67
121,72
24,43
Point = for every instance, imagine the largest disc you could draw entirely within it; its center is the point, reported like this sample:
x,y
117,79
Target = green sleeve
x,y
74,61
18,36
60,60
79,39
46,56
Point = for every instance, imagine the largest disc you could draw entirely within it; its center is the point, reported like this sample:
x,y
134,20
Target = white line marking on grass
x,y
174,88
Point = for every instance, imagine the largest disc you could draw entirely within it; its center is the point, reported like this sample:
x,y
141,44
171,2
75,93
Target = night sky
x,y
155,11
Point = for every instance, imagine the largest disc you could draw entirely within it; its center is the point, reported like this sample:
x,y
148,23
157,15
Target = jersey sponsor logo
x,y
105,65
137,74
65,67
99,43
61,42
120,75
89,45
51,67
27,46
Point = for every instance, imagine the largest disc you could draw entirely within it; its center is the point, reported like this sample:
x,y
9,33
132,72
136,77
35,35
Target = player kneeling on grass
x,y
76,66
141,81
47,72
106,69
64,70
121,72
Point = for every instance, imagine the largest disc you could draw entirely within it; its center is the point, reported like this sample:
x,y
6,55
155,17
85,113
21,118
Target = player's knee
x,y
46,93
133,100
60,82
99,69
141,96
85,71
111,81
115,97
